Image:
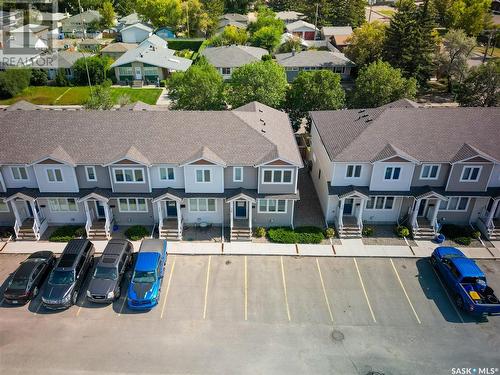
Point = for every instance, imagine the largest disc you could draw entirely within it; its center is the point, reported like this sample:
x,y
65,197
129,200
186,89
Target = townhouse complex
x,y
399,164
168,169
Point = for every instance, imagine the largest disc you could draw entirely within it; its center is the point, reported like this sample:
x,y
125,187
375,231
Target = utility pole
x,y
316,20
83,38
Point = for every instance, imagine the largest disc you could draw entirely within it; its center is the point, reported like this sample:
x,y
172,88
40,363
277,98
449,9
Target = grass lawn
x,y
77,95
386,12
480,50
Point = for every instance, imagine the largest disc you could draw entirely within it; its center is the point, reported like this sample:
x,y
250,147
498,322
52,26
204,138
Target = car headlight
x,y
88,293
111,294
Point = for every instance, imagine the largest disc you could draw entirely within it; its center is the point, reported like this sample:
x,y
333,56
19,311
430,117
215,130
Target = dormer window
x,y
353,171
392,173
429,172
54,175
470,174
19,173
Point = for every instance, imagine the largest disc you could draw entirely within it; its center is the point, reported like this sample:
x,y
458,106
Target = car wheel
x,y
35,291
74,297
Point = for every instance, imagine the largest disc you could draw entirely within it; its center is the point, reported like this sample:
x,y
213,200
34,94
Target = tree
x,y
281,5
214,9
339,12
99,98
98,70
13,81
472,16
160,12
379,83
267,37
452,60
313,91
195,16
201,87
291,44
266,18
481,88
366,43
442,7
236,6
263,81
38,77
108,15
230,35
125,7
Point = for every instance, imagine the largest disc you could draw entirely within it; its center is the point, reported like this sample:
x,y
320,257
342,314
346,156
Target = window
x,y
392,173
90,173
4,207
226,71
203,175
132,205
128,175
353,171
237,174
455,204
380,203
125,71
202,205
167,174
63,205
470,174
150,71
54,175
19,173
272,205
429,171
277,176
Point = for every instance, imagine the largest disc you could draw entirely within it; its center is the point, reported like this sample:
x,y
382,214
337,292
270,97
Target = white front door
x,y
138,72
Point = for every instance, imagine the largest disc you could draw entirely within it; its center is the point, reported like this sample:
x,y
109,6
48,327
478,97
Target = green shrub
x,y
80,232
260,232
136,232
402,231
13,81
476,234
463,240
61,79
282,235
38,77
6,232
299,235
453,231
368,231
329,232
66,233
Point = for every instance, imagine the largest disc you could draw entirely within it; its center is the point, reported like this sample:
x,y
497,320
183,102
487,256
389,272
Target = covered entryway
x,y
170,221
240,212
424,215
30,221
99,222
349,218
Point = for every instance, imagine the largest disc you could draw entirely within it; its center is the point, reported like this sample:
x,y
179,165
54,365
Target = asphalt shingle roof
x,y
313,58
233,56
300,24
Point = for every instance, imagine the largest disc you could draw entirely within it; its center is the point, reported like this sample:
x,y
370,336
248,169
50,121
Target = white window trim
x,y
203,174
392,174
272,176
7,209
267,206
198,204
458,201
133,174
91,167
166,173
67,203
18,167
430,169
374,208
136,204
234,174
54,172
353,171
480,167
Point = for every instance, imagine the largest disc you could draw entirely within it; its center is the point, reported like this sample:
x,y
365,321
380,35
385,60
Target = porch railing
x,y
39,226
17,227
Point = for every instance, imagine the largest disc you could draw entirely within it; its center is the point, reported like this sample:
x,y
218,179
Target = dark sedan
x,y
29,277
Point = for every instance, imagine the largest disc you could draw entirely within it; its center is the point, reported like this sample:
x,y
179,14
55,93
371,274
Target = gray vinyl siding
x,y
102,175
76,217
132,218
454,183
249,178
440,181
457,217
11,183
273,219
69,182
130,187
7,218
277,188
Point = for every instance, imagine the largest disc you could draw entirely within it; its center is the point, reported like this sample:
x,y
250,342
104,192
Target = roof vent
x,y
262,130
261,111
369,120
362,110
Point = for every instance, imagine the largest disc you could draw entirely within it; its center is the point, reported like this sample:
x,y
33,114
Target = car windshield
x,y
450,256
62,277
108,273
144,277
19,282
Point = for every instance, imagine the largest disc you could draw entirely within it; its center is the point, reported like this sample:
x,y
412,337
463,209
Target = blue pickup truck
x,y
144,290
466,281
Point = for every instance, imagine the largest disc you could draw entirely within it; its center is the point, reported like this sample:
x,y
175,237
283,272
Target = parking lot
x,y
260,314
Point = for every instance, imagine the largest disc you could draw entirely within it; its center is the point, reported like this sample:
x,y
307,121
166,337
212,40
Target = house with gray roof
x,y
170,169
227,58
289,16
116,50
136,33
337,35
302,29
294,62
64,61
150,62
72,26
399,163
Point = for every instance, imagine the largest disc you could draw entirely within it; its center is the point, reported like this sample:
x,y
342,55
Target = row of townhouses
x,y
167,169
421,167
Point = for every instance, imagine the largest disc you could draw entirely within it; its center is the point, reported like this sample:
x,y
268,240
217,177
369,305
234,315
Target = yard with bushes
x,y
462,235
67,233
313,235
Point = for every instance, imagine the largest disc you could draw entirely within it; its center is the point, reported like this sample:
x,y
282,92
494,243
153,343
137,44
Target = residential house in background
x,y
52,20
239,21
227,58
64,60
93,44
399,164
337,35
302,29
136,33
30,36
125,21
290,16
294,62
235,169
151,61
72,26
11,19
115,50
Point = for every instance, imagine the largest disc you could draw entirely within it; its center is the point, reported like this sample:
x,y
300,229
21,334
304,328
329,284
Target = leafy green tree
x,y
13,81
125,7
281,5
339,12
472,16
366,43
442,7
292,44
195,16
98,67
38,77
236,6
267,37
100,97
452,60
71,6
266,18
379,83
201,87
214,9
108,15
263,81
481,88
230,35
161,12
313,91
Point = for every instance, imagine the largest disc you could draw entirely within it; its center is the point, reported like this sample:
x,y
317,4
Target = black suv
x,y
68,275
105,284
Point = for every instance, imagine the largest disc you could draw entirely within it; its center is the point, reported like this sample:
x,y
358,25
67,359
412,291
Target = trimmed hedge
x,y
67,233
368,231
463,240
402,231
462,235
299,235
136,232
260,232
329,232
180,44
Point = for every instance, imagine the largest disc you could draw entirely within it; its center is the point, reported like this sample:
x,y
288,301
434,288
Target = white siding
x,y
76,217
156,183
383,216
377,182
340,179
134,35
208,217
69,183
11,183
216,184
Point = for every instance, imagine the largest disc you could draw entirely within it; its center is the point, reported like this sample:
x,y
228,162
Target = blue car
x,y
145,286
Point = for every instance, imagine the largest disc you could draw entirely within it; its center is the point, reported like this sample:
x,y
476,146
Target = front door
x,y
422,207
241,210
138,72
171,208
29,212
100,210
348,206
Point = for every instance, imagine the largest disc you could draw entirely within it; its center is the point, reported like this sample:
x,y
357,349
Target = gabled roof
x,y
300,24
138,25
141,106
119,47
58,154
204,153
234,17
401,103
223,23
322,59
67,58
289,15
389,151
130,19
468,152
233,56
132,154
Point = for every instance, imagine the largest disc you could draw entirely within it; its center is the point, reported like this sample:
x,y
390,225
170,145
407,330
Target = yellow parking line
x,y
284,288
324,290
406,294
78,311
168,288
447,294
206,288
364,291
246,289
